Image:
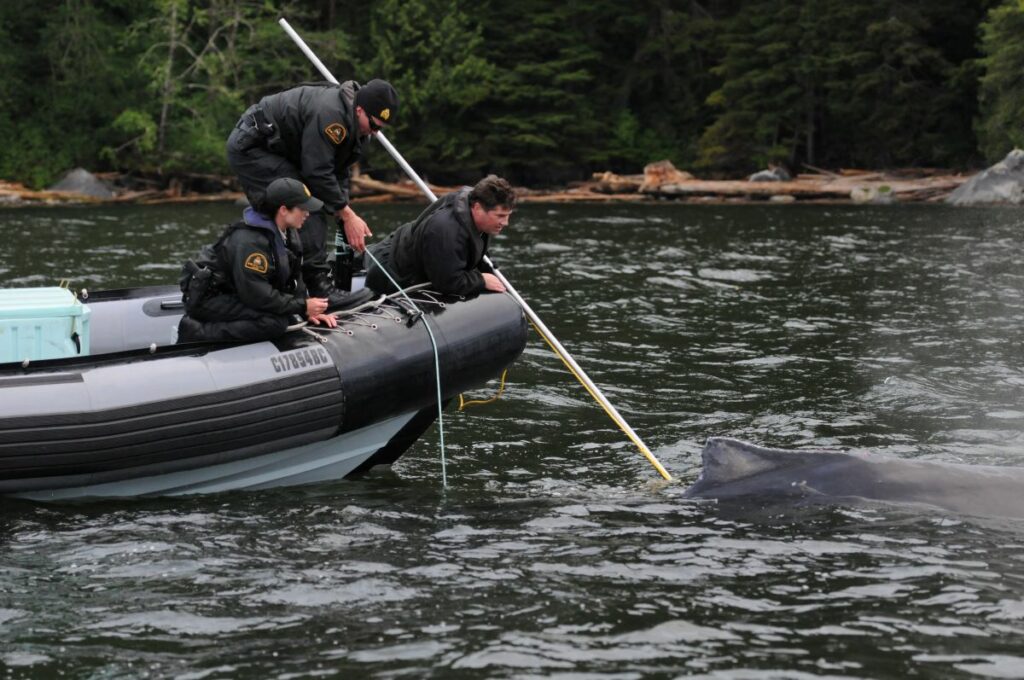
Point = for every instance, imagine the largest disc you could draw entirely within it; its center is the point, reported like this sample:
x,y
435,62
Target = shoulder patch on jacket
x,y
336,132
257,262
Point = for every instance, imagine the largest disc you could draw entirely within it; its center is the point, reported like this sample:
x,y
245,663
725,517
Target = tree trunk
x,y
168,84
810,132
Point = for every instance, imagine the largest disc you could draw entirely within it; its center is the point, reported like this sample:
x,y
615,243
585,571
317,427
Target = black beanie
x,y
379,99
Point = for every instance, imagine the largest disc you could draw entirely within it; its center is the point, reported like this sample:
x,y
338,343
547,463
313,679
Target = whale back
x,y
734,469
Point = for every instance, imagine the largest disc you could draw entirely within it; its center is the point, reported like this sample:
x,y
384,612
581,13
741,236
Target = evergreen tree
x,y
837,82
654,59
541,92
433,53
767,93
548,105
204,63
66,74
898,92
999,123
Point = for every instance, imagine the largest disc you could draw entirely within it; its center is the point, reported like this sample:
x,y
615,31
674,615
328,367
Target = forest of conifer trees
x,y
542,92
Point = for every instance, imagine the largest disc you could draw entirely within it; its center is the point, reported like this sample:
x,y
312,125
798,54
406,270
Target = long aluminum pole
x,y
545,333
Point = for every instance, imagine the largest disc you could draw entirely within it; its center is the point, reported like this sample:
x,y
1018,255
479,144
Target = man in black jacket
x,y
446,244
247,285
313,133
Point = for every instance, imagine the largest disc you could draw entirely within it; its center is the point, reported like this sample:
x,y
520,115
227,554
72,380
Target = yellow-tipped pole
x,y
538,325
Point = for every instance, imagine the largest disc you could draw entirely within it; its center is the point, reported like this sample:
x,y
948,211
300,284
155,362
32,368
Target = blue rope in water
x,y
437,361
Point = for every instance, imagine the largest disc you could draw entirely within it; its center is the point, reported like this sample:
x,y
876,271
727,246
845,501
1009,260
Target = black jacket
x,y
441,246
317,131
252,260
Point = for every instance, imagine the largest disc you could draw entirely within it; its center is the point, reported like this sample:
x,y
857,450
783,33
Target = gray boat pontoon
x,y
123,411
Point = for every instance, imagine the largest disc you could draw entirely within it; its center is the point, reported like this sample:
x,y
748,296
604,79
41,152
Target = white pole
x,y
545,333
305,50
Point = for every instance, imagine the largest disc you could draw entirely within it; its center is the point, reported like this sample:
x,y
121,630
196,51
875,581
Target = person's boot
x,y
338,300
320,284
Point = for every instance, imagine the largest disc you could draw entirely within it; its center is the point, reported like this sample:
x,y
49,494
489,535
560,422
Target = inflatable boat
x,y
97,400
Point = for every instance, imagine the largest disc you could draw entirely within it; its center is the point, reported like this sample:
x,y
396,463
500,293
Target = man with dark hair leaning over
x,y
313,133
446,244
247,285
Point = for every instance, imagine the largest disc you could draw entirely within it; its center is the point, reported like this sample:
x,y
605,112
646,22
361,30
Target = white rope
x,y
437,361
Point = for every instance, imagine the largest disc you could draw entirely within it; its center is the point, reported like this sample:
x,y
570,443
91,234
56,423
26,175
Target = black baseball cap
x,y
291,193
379,99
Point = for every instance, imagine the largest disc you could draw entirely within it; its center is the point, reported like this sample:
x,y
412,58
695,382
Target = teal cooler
x,y
42,323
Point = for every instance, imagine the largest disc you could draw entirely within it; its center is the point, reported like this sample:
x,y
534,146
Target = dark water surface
x,y
555,553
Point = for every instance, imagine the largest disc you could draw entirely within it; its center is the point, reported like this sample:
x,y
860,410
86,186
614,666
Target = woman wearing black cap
x,y
246,286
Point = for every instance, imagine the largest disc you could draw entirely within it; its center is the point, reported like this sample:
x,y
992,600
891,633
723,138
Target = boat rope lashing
x,y
305,326
437,361
463,403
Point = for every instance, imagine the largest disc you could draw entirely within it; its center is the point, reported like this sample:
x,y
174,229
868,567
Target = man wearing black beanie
x,y
313,133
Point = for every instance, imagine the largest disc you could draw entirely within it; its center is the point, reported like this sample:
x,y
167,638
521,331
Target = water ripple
x,y
556,552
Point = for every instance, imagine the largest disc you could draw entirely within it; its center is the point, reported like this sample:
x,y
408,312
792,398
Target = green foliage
x,y
195,58
35,160
544,111
1000,124
654,74
152,85
901,101
766,91
432,52
872,83
140,130
633,145
539,91
64,71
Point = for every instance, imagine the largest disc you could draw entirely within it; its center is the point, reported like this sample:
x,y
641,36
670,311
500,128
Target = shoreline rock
x,y
1002,183
81,181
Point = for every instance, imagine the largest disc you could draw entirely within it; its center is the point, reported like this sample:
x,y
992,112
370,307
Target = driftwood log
x,y
663,181
824,188
401,189
660,181
12,192
660,174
